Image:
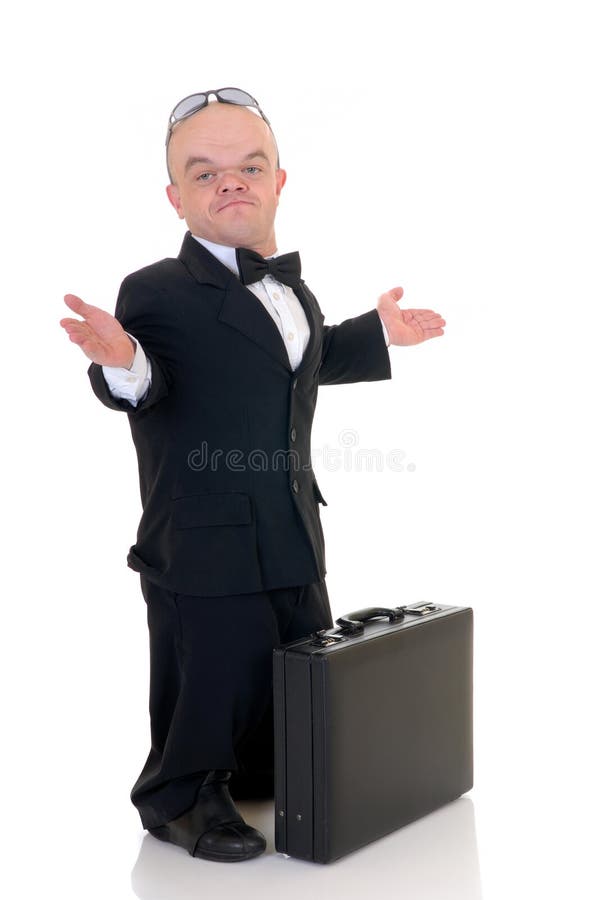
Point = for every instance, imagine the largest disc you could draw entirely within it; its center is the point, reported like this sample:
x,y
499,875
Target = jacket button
x,y
293,434
294,383
296,486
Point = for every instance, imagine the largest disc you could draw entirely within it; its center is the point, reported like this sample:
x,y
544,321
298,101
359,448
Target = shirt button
x,y
293,434
275,296
290,335
296,487
131,379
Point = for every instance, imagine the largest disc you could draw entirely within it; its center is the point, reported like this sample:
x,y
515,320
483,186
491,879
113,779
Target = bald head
x,y
227,118
225,176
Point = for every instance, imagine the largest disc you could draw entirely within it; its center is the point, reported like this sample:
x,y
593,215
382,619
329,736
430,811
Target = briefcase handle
x,y
353,623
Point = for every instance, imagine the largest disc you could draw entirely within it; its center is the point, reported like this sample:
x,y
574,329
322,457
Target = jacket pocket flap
x,y
200,510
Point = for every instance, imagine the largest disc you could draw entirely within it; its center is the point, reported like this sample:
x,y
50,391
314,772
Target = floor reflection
x,y
435,858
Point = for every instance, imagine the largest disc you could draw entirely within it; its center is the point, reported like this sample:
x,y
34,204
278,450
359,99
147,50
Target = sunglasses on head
x,y
195,102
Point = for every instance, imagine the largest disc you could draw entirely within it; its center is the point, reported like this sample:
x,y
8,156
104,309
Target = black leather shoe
x,y
213,828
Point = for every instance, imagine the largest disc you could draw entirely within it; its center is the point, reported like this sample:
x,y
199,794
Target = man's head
x,y
225,180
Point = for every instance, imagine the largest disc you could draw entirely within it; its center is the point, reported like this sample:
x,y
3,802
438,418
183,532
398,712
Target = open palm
x,y
407,326
99,335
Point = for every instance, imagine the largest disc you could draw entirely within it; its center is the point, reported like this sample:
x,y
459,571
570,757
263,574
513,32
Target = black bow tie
x,y
253,267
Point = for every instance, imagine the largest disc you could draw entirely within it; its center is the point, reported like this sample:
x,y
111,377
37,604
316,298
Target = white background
x,y
452,148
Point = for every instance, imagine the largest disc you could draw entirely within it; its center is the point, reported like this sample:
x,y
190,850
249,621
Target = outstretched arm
x,y
355,349
104,340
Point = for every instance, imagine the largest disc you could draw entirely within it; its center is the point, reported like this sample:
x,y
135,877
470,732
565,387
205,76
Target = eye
x,y
252,170
204,177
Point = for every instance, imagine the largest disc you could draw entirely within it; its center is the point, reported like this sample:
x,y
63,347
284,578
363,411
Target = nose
x,y
230,181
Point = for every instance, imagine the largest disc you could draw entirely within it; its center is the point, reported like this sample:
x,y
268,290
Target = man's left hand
x,y
407,326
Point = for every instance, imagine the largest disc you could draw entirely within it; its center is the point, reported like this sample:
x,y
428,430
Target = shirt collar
x,y
226,255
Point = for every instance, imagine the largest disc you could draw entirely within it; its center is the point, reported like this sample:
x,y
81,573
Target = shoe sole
x,y
217,858
162,835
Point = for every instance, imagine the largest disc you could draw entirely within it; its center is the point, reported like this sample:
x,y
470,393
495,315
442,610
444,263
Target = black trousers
x,y
211,689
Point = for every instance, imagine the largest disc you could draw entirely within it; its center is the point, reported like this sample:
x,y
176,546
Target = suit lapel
x,y
242,310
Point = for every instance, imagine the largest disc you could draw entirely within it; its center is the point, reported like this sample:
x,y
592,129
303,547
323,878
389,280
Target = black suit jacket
x,y
230,501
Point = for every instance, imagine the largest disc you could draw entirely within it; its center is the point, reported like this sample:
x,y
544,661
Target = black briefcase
x,y
372,726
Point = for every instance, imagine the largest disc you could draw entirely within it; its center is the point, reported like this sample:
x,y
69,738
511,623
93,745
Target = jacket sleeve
x,y
355,350
138,309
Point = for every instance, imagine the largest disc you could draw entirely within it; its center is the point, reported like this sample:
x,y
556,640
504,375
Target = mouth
x,y
232,203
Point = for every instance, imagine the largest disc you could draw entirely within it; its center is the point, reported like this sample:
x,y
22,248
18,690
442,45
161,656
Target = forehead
x,y
220,130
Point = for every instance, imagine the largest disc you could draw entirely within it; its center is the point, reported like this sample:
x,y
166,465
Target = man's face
x,y
226,184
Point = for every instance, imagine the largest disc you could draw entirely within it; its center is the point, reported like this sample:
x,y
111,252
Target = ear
x,y
280,180
173,195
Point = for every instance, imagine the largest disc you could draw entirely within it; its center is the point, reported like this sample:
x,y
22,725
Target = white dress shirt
x,y
279,300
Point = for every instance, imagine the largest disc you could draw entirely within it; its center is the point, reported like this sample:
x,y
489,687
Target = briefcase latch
x,y
323,639
423,610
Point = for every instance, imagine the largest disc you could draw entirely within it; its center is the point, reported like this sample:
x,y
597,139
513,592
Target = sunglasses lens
x,y
195,102
233,95
188,105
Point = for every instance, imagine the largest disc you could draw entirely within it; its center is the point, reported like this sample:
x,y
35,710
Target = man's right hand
x,y
100,335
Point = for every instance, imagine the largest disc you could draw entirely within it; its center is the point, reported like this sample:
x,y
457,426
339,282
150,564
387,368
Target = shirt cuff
x,y
133,383
385,332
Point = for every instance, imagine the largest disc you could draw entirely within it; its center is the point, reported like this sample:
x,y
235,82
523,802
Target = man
x,y
216,356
